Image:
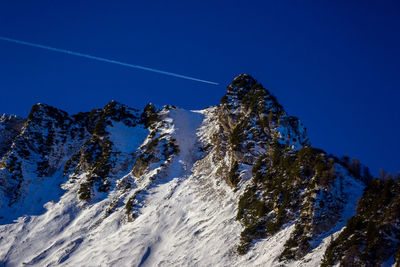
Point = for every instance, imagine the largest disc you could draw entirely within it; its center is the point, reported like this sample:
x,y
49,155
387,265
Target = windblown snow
x,y
185,214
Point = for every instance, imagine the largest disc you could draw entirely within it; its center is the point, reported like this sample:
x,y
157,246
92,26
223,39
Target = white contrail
x,y
104,60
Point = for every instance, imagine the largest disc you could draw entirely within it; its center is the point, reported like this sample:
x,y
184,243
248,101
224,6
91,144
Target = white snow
x,y
126,139
186,215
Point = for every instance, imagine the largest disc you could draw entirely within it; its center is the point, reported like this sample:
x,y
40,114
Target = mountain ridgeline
x,y
235,184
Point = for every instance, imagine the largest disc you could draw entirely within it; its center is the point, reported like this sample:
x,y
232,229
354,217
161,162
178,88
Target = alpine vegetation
x,y
236,184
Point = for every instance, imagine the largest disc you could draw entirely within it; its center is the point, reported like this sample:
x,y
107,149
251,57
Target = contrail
x,y
105,60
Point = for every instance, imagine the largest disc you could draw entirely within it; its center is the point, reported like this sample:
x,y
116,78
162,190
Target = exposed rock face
x,y
235,184
371,237
46,139
291,181
250,119
100,159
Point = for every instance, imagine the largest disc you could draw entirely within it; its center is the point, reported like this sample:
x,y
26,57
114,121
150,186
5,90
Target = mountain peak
x,y
244,79
245,90
166,187
40,112
240,86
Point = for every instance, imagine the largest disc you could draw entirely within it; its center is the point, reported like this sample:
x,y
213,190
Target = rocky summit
x,y
236,184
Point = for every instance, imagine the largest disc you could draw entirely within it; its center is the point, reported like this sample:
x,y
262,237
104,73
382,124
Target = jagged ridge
x,y
237,178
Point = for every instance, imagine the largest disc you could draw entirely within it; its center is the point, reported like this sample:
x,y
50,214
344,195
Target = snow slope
x,y
185,215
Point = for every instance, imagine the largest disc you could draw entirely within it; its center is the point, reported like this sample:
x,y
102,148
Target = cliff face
x,y
235,184
291,182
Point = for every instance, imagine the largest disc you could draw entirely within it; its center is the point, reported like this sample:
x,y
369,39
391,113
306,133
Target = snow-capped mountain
x,y
237,184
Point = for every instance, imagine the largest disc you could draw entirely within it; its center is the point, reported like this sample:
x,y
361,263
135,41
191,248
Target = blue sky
x,y
335,64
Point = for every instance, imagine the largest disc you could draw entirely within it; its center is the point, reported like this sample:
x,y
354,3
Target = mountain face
x,y
236,184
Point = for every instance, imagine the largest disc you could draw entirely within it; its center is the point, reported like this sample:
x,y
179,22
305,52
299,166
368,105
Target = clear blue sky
x,y
335,65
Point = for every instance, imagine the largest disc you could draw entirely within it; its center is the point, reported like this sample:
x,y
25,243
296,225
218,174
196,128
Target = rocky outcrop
x,y
292,182
372,236
242,174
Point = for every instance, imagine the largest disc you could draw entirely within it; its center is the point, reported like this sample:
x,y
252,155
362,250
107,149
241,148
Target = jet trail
x,y
105,60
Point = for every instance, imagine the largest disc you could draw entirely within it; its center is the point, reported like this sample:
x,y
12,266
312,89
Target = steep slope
x,y
177,203
40,150
238,184
372,236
